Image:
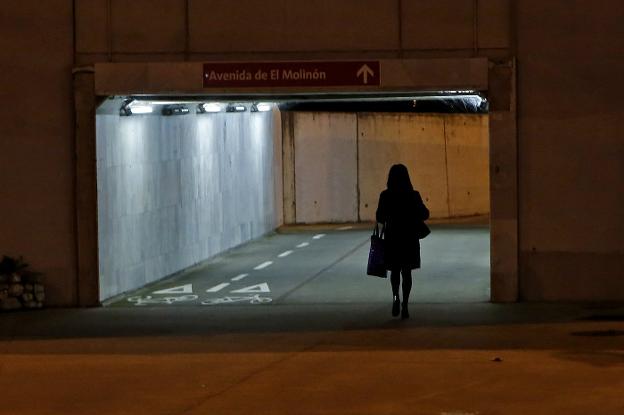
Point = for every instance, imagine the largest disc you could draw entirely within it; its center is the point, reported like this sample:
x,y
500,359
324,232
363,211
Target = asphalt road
x,y
324,265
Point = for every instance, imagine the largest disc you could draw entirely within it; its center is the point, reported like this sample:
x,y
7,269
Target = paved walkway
x,y
298,356
326,265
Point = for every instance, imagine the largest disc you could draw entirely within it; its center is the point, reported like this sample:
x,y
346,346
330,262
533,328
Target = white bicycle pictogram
x,y
251,299
148,299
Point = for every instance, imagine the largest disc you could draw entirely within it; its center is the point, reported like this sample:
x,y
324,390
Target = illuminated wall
x,y
174,191
341,163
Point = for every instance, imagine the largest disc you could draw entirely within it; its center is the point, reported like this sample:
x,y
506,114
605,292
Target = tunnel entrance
x,y
388,78
182,180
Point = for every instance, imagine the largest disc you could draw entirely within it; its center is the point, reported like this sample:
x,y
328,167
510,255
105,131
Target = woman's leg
x,y
395,281
407,287
407,284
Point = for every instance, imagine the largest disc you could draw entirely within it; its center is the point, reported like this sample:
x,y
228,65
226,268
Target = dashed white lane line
x,y
218,287
263,265
345,228
240,277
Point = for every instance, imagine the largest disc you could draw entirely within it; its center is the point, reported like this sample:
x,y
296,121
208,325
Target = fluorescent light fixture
x,y
169,102
131,107
175,110
468,100
141,109
210,107
460,92
261,107
475,97
478,100
236,108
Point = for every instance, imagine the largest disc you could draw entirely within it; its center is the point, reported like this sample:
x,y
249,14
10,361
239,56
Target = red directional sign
x,y
291,74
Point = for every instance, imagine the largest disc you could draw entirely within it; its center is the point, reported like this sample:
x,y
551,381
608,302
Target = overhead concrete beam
x,y
397,75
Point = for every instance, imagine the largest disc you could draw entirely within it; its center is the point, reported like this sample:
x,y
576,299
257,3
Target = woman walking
x,y
402,213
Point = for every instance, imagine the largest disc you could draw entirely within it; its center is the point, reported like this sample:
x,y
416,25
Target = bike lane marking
x,y
251,299
180,289
149,300
258,288
218,287
240,277
263,265
188,288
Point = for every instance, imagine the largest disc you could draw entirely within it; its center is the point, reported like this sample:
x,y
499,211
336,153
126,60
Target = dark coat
x,y
401,213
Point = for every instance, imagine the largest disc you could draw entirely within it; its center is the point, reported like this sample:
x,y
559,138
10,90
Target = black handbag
x,y
422,230
376,256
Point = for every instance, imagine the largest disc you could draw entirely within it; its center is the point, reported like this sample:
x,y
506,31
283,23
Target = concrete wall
x,y
571,150
174,191
569,117
415,140
326,167
37,212
167,30
42,41
342,161
467,164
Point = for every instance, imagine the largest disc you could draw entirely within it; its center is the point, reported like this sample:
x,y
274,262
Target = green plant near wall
x,y
10,265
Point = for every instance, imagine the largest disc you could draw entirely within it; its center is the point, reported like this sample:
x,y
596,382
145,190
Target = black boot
x,y
404,312
396,304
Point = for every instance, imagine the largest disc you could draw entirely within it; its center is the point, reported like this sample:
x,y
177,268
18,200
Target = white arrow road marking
x,y
319,236
180,289
365,71
239,277
344,228
217,287
258,288
285,253
263,265
303,244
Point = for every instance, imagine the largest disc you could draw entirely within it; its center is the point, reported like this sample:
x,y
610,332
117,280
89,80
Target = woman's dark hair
x,y
398,179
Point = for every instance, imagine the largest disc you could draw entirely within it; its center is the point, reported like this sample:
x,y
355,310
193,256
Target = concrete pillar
x,y
86,188
503,183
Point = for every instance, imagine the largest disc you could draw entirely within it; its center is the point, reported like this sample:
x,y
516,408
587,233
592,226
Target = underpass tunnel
x,y
182,180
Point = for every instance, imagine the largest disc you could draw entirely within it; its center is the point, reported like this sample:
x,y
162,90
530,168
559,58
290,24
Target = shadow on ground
x,y
325,327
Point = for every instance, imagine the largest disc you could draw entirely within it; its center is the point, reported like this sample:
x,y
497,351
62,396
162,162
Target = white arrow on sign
x,y
365,71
